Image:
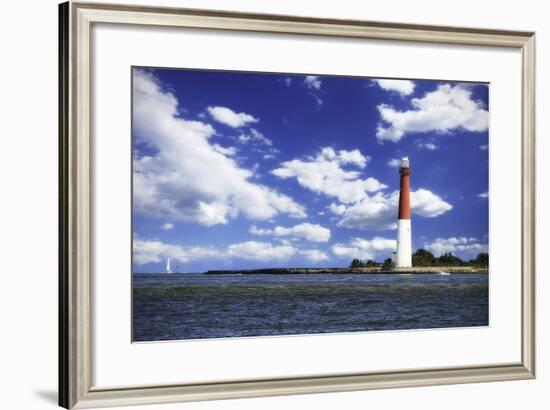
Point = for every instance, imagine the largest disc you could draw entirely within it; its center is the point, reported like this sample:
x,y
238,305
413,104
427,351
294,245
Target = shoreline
x,y
337,271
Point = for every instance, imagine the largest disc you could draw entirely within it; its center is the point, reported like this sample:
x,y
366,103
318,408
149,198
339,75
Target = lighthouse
x,y
403,255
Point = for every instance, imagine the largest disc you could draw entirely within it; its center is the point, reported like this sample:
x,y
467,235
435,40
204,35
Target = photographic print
x,y
269,204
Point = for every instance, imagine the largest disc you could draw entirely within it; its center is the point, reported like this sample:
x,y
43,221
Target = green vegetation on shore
x,y
424,258
423,262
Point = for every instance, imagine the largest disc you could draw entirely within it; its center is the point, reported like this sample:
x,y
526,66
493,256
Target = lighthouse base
x,y
403,255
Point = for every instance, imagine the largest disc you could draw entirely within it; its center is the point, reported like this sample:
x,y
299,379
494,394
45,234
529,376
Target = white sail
x,y
168,268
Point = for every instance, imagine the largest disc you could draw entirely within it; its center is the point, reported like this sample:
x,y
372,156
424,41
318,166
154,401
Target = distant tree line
x,y
423,257
357,263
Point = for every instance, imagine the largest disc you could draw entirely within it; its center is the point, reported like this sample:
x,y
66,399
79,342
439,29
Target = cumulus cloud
x,y
188,178
337,209
167,226
446,109
344,157
324,174
394,163
254,136
359,248
229,117
310,232
483,195
428,204
379,212
228,151
154,251
430,146
465,245
314,255
260,251
313,82
403,87
359,208
157,251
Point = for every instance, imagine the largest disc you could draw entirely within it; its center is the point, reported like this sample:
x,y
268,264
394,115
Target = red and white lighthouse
x,y
403,256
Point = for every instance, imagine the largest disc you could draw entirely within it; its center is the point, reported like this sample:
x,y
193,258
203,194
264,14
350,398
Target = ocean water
x,y
197,306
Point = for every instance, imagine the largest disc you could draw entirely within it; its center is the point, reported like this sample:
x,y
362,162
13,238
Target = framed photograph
x,y
256,205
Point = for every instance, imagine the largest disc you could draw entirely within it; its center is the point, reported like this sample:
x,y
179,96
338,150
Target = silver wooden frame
x,y
75,354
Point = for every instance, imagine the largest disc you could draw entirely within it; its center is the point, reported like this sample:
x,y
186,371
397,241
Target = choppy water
x,y
195,306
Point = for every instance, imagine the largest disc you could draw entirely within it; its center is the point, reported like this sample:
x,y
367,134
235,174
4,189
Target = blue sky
x,y
238,170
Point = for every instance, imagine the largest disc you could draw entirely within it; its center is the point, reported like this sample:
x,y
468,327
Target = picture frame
x,y
76,221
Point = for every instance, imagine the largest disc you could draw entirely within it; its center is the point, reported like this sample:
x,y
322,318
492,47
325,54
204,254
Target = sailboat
x,y
168,268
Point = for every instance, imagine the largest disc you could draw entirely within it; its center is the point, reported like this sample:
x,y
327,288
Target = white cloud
x,y
359,248
260,251
358,210
353,157
255,136
337,209
430,146
167,226
343,157
154,251
428,204
310,232
484,147
207,187
379,212
483,195
394,163
229,117
317,99
324,174
314,255
465,245
313,82
443,110
157,251
228,151
403,87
